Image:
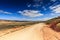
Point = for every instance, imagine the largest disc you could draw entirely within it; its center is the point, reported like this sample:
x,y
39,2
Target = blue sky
x,y
30,10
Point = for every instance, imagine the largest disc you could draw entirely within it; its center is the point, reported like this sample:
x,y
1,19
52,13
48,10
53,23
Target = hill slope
x,y
53,19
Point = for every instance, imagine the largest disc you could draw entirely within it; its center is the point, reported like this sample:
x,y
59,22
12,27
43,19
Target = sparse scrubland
x,y
54,23
7,26
11,26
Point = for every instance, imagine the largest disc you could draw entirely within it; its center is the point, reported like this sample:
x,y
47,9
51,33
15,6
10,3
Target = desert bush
x,y
58,25
57,28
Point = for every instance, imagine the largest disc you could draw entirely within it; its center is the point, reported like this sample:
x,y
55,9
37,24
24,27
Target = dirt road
x,y
30,33
35,32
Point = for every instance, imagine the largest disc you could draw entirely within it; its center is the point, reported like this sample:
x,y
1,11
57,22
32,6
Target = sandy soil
x,y
34,32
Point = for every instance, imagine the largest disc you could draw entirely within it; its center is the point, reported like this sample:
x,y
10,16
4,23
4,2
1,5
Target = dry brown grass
x,y
8,27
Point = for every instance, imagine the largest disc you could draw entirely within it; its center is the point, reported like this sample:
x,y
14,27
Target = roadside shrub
x,y
57,28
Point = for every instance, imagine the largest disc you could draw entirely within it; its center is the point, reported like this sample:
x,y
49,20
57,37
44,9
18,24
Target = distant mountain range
x,y
12,20
48,21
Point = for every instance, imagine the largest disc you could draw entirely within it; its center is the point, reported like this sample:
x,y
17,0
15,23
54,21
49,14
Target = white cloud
x,y
29,5
53,0
31,13
36,5
44,19
53,14
44,8
55,9
4,12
